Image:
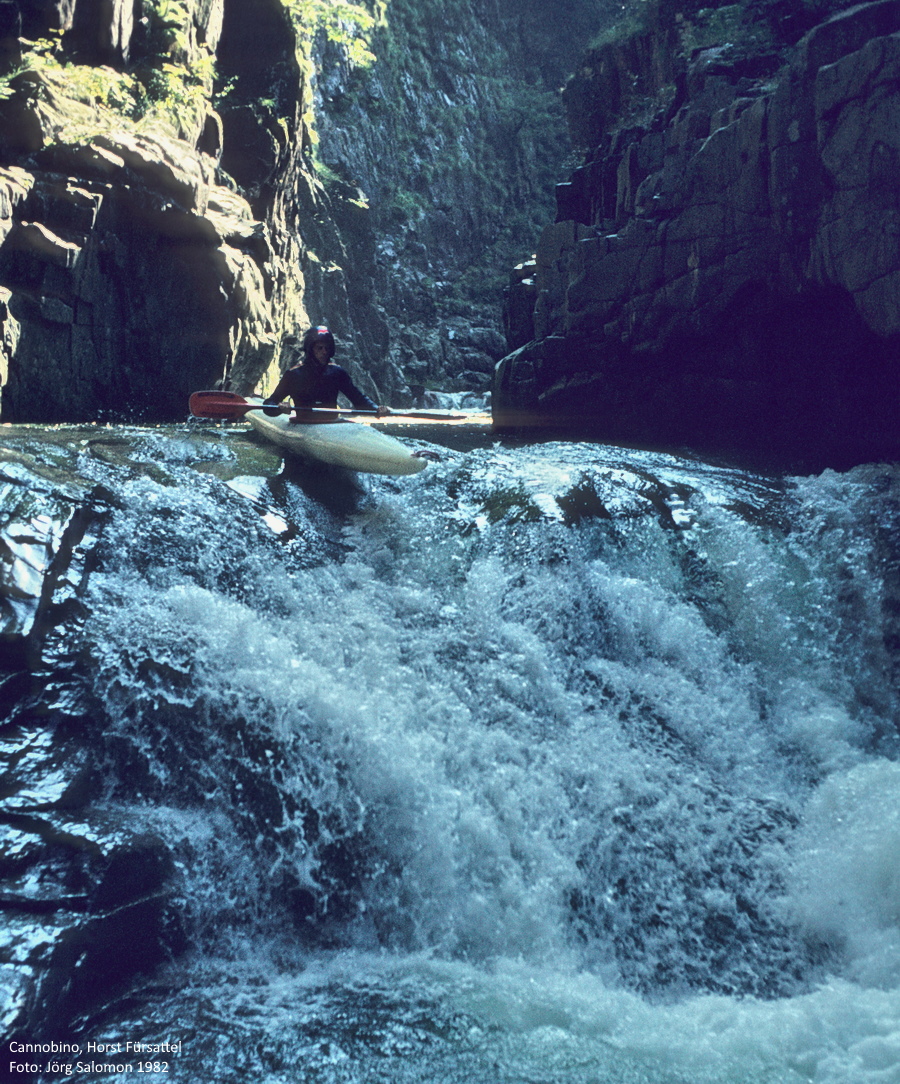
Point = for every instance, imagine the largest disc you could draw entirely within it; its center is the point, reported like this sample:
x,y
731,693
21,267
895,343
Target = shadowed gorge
x,y
723,271
187,183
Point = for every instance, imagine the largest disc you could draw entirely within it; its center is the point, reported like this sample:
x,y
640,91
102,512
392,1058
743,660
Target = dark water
x,y
550,764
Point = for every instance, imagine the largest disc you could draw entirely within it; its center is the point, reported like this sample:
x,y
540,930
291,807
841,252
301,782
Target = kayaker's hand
x,y
382,412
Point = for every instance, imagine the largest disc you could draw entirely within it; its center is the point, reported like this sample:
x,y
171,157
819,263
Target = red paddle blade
x,y
218,404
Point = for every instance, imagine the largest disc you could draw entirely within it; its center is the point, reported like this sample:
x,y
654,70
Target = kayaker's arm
x,y
282,391
358,398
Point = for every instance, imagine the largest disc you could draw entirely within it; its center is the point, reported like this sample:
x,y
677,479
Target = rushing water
x,y
559,764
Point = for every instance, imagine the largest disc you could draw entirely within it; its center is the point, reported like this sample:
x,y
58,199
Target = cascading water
x,y
554,764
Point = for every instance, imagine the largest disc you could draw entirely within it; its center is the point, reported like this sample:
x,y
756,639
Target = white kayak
x,y
341,443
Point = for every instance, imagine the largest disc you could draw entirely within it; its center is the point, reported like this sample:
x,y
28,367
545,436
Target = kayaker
x,y
317,381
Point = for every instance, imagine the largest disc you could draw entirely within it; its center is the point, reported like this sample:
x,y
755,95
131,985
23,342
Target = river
x,y
553,764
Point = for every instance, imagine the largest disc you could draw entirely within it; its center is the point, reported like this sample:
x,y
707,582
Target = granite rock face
x,y
455,135
126,294
134,267
729,277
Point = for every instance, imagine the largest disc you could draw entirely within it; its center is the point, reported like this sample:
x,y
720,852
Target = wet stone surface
x,y
86,900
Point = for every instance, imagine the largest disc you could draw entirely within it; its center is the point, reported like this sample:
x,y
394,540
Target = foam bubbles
x,y
846,880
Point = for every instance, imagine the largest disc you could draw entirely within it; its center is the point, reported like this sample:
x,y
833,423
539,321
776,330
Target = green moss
x,y
750,26
406,206
325,173
344,23
168,89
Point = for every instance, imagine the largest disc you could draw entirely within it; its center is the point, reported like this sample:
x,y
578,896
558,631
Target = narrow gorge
x,y
186,182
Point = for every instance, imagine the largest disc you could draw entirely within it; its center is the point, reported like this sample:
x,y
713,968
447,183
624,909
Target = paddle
x,y
227,405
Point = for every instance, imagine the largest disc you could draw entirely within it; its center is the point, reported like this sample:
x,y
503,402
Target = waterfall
x,y
560,763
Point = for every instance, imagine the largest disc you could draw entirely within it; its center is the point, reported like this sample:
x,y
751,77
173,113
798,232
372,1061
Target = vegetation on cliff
x,y
170,75
187,128
456,137
168,85
634,66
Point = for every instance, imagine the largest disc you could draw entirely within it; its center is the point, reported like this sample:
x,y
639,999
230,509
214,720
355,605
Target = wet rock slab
x,y
86,900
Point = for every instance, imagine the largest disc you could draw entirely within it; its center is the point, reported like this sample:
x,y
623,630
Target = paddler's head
x,y
318,346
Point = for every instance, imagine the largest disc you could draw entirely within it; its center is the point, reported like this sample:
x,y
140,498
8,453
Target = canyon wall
x,y
184,183
725,275
455,138
133,269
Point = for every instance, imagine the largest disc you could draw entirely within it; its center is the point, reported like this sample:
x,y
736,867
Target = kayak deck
x,y
340,443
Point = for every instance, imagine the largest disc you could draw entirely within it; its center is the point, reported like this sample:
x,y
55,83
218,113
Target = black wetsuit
x,y
318,387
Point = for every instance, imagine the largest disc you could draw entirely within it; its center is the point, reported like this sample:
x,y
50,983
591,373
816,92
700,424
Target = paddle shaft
x,y
219,404
431,416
